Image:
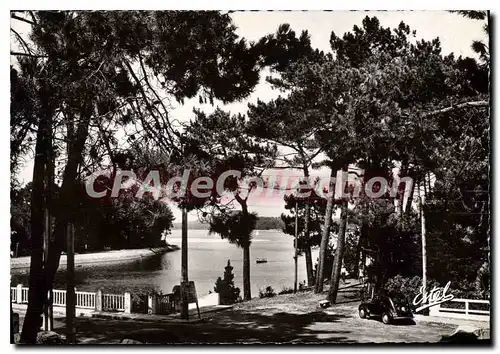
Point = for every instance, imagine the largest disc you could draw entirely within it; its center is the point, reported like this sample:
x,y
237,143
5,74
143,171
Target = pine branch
x,y
14,16
458,106
22,41
28,55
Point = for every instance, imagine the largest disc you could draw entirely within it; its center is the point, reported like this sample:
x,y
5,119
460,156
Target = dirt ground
x,y
287,319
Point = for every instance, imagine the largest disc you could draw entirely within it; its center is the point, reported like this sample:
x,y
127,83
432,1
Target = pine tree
x,y
225,287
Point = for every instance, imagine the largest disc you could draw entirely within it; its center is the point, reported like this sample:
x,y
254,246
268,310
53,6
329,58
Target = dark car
x,y
388,308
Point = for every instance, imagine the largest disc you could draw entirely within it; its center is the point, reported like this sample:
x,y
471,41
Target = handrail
x,y
471,301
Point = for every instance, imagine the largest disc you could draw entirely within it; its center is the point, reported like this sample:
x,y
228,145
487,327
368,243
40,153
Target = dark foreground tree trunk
x,y
409,201
37,286
359,249
307,250
247,295
42,273
339,253
324,240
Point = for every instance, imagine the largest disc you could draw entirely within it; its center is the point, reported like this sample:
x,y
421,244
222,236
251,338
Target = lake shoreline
x,y
22,264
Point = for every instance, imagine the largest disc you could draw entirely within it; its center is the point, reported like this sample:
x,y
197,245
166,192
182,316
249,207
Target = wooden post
x,y
128,302
50,311
434,310
19,293
184,264
98,300
296,245
70,285
152,304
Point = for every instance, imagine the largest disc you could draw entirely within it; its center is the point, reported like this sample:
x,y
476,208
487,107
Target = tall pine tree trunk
x,y
325,236
403,172
359,249
37,285
409,201
339,253
247,295
42,273
307,250
309,267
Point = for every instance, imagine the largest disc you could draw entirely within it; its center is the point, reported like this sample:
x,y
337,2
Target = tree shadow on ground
x,y
400,322
235,327
404,322
347,300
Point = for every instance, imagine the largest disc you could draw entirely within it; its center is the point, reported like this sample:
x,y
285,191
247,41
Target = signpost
x,y
188,295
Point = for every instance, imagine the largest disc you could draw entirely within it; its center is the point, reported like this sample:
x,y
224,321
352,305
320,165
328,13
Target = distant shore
x,y
22,264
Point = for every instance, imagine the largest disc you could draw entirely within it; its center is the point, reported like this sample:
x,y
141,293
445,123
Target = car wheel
x,y
362,312
386,318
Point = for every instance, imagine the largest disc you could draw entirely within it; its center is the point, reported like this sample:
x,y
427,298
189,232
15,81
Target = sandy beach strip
x,y
115,256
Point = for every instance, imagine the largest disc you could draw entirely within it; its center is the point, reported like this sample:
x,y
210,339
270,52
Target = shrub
x,y
140,299
285,290
139,303
269,292
408,286
228,293
302,286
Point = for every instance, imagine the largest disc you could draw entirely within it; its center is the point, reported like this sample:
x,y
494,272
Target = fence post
x,y
19,291
98,300
434,310
152,303
128,302
466,307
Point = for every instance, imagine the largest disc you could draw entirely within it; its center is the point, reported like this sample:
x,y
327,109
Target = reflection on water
x,y
208,255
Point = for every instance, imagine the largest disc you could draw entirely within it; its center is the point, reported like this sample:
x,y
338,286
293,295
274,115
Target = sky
x,y
455,32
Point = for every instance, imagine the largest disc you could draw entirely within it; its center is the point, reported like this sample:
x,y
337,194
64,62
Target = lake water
x,y
208,255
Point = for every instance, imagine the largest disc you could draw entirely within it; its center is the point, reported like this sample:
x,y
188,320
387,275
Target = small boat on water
x,y
261,260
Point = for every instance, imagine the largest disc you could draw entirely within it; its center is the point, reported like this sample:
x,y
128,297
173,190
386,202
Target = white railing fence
x,y
152,303
113,302
59,297
463,308
84,299
24,295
